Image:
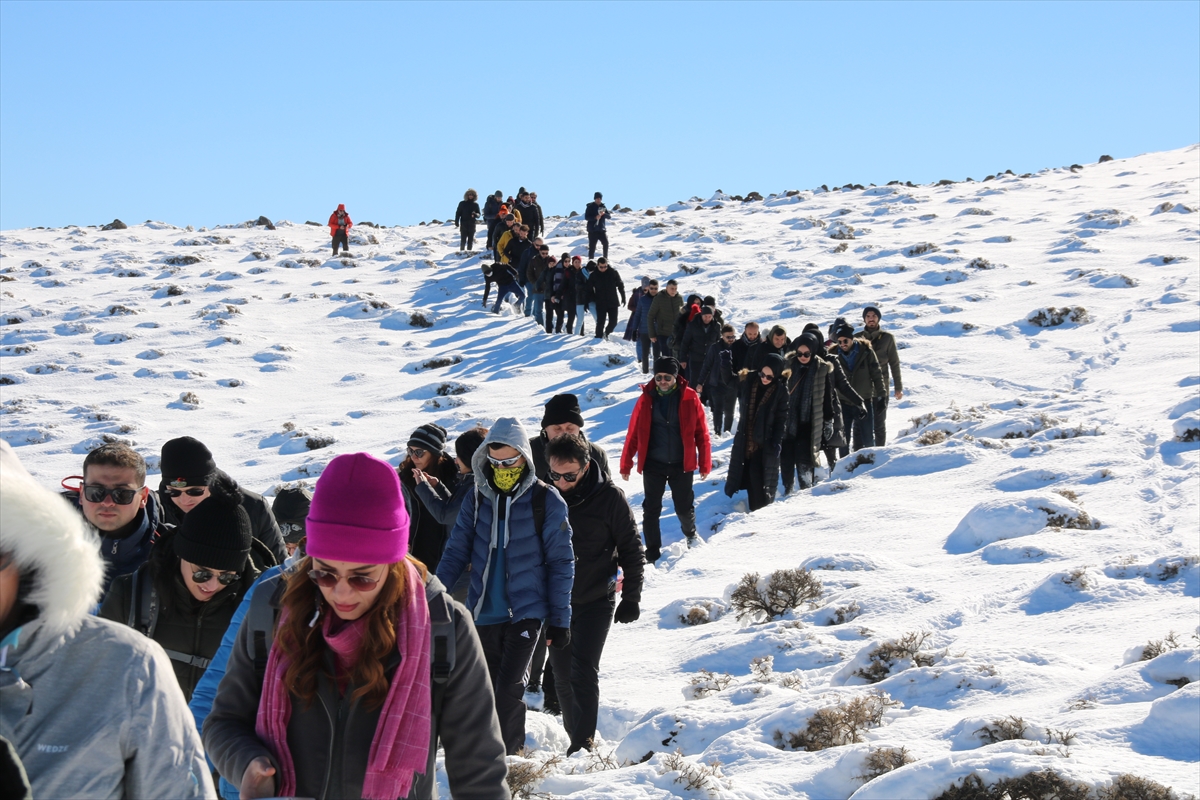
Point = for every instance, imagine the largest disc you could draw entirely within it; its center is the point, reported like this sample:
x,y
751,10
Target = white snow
x,y
1033,521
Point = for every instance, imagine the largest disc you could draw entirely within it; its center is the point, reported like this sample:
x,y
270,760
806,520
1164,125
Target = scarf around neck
x,y
400,746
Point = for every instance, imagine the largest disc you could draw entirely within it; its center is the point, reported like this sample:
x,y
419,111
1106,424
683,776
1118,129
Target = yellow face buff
x,y
506,477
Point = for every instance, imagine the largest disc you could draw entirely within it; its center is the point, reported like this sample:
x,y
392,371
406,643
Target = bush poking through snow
x,y
1131,787
702,612
783,590
762,668
1003,730
317,442
1030,786
844,614
707,683
694,777
1051,317
838,725
932,436
893,653
1156,647
1077,579
419,320
524,774
882,760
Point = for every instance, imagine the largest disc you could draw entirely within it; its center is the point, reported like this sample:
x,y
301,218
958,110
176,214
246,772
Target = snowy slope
x,y
265,347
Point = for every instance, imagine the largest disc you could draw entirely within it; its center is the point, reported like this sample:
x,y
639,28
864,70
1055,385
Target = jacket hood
x,y
509,431
45,535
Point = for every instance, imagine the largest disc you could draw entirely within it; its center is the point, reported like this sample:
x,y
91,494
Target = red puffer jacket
x,y
334,223
692,425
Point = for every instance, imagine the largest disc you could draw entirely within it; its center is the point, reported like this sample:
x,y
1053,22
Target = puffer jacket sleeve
x,y
265,528
560,559
442,503
841,383
457,553
702,441
469,730
630,555
631,436
710,359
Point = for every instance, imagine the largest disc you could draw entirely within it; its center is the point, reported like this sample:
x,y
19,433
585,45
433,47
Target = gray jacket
x,y
331,759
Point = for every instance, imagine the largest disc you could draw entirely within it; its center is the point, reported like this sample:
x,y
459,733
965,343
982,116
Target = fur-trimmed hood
x,y
46,536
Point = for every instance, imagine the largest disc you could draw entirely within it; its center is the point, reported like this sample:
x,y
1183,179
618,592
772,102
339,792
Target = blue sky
x,y
205,113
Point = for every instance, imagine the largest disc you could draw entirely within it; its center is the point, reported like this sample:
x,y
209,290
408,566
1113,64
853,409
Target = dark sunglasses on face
x,y
328,580
195,491
95,493
504,462
569,477
803,354
844,340
417,452
664,378
766,377
206,575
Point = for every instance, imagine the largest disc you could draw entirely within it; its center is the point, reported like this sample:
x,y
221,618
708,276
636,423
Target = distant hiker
x,y
884,345
582,300
516,537
339,229
596,215
777,342
115,500
717,381
664,311
464,219
562,417
698,336
189,474
669,436
639,323
369,664
290,508
491,215
604,537
607,292
745,344
754,457
531,214
513,249
184,596
90,707
560,296
536,275
505,231
691,310
541,218
426,462
862,368
834,438
810,404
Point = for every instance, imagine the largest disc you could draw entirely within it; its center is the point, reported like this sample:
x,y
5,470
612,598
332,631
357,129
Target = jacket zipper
x,y
329,759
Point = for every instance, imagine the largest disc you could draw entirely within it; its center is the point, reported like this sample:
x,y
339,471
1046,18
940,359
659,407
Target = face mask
x,y
506,477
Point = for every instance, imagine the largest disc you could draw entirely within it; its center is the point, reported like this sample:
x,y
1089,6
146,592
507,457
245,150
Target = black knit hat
x,y
429,437
833,327
562,408
845,329
707,310
666,366
812,328
215,534
811,340
187,462
466,444
290,508
870,309
775,362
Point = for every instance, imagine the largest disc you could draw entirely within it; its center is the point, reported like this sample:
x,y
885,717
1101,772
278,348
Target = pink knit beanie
x,y
357,512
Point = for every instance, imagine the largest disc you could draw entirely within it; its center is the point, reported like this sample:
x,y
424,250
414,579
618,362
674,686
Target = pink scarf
x,y
400,746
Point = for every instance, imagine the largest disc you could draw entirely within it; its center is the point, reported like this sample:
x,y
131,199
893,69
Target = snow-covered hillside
x,y
1032,524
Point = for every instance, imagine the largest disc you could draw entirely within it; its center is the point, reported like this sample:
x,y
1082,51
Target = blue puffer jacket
x,y
540,565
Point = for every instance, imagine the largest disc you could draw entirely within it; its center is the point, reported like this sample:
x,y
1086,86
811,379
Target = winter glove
x,y
558,638
827,432
652,555
860,413
627,611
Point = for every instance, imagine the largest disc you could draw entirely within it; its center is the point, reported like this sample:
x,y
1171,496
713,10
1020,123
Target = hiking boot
x,y
693,541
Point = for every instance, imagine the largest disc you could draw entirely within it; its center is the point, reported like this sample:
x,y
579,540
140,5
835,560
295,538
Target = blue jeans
x,y
581,319
504,291
859,432
538,301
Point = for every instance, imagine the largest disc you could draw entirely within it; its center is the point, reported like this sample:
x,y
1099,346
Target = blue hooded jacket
x,y
540,565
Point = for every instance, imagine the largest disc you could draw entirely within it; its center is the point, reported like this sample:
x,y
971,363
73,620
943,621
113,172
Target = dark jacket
x,y
884,345
560,285
466,213
688,313
606,288
756,354
520,253
125,554
467,727
865,376
763,430
189,630
541,467
639,323
742,350
536,270
697,338
583,295
663,313
595,222
426,533
717,370
491,207
531,215
697,448
810,402
263,526
843,393
604,535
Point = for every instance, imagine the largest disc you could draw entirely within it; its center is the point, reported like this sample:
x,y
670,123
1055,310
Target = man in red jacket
x,y
669,434
339,227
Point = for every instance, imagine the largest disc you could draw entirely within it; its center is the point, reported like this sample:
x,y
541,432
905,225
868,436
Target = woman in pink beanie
x,y
346,705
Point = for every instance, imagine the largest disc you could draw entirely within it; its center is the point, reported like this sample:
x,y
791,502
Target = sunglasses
x,y
729,338
95,493
664,378
206,575
504,462
195,491
844,340
569,477
803,354
417,452
766,377
328,580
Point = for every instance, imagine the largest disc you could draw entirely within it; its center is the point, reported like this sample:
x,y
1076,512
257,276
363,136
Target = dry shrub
x,y
932,437
708,682
785,589
1077,579
1003,730
887,655
838,725
525,775
707,777
844,614
1170,569
1156,647
762,667
702,612
1081,521
1070,494
859,460
882,760
1038,785
418,320
1051,317
1131,787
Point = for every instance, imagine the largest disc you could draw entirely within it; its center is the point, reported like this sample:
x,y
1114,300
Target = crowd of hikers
x,y
329,643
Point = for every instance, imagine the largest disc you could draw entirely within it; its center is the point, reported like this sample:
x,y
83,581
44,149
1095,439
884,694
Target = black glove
x,y
652,555
627,611
860,413
827,431
558,638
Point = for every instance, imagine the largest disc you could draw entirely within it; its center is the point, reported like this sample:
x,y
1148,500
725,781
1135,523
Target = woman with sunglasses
x,y
754,458
185,594
346,703
427,463
810,409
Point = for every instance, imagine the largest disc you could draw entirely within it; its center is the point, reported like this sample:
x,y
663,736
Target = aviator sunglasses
x,y
206,575
195,491
504,462
569,477
95,493
328,580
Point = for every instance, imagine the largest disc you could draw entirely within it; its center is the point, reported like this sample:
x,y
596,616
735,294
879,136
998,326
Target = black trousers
x,y
859,432
603,329
507,647
570,326
682,497
881,406
466,236
794,458
756,492
722,399
491,236
556,311
341,238
577,669
597,236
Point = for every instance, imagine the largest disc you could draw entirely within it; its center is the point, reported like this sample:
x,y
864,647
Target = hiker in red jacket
x,y
669,434
339,227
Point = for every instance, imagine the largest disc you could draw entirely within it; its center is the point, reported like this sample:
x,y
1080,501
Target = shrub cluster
x,y
891,653
838,725
784,590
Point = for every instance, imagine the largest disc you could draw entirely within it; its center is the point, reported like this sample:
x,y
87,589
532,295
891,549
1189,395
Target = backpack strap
x,y
144,604
538,498
261,617
441,652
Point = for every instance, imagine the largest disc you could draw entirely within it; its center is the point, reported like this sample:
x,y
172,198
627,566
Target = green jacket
x,y
663,313
866,377
884,345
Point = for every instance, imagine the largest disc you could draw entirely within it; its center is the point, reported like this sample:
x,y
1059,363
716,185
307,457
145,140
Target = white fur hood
x,y
43,533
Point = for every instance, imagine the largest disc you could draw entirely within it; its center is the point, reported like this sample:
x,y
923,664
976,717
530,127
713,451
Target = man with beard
x,y
884,345
604,537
